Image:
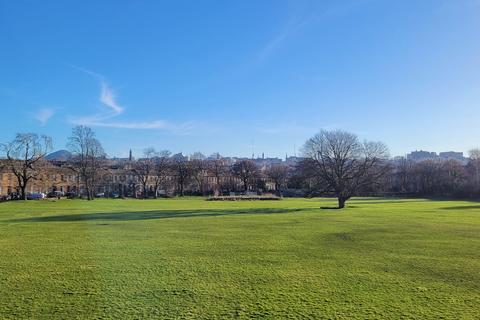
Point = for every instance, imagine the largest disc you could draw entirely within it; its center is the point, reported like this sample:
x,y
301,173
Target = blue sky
x,y
222,75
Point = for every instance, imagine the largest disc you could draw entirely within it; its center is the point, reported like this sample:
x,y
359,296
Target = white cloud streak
x,y
44,114
107,97
277,41
182,129
114,109
296,25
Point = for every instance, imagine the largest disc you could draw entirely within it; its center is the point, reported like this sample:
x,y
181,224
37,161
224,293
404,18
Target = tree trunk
x,y
89,194
277,190
216,191
341,202
23,193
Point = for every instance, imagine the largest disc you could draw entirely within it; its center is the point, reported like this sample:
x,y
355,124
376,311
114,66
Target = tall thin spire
x,y
253,149
130,155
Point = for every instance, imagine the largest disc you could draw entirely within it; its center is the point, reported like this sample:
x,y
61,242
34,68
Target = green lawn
x,y
190,258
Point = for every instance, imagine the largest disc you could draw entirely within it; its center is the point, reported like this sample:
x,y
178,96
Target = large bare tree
x,y
344,165
218,168
161,170
403,173
278,174
182,172
24,157
88,157
144,168
474,155
246,171
198,166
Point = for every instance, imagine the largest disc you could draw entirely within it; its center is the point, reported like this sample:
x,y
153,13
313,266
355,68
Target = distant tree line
x,y
333,163
432,178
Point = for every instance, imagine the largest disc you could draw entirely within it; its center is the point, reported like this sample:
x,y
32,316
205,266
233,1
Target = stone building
x,y
53,177
116,178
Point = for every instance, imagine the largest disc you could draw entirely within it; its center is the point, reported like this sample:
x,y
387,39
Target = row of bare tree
x,y
449,178
157,167
337,163
25,157
334,163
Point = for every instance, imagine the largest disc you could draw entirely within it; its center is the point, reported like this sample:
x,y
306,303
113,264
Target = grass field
x,y
190,258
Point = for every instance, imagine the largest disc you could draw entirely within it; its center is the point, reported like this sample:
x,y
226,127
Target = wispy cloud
x,y
44,114
107,97
274,43
305,17
107,94
186,128
455,6
113,109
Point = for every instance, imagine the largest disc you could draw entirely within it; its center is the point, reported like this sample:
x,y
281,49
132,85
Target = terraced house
x,y
53,177
117,177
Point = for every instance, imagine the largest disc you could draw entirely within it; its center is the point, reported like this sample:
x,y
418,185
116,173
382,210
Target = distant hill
x,y
60,155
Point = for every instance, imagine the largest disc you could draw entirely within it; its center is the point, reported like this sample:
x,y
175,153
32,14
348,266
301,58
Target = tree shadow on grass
x,y
157,214
461,207
386,201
